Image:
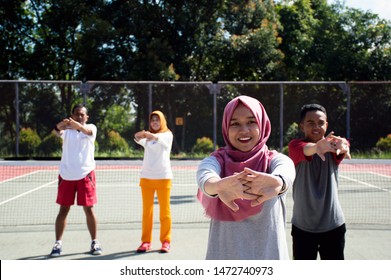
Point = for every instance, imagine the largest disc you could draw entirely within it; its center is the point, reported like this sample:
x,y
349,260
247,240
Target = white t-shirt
x,y
78,149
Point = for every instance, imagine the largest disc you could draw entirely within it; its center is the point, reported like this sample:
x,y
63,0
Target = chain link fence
x,y
29,111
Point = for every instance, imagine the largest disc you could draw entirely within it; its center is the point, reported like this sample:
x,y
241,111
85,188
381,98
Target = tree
x,y
298,34
244,47
177,40
15,29
333,42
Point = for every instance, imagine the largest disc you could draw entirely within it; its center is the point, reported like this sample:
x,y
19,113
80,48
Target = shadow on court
x,y
189,243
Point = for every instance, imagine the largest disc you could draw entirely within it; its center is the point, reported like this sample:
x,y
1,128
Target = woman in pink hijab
x,y
242,187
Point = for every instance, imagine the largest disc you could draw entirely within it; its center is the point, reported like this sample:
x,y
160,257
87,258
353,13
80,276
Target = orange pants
x,y
162,187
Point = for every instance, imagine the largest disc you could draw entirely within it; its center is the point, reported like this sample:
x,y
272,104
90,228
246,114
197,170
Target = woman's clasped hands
x,y
250,185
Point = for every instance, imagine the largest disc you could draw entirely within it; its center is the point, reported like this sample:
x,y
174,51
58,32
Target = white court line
x,y
365,184
380,175
20,176
26,193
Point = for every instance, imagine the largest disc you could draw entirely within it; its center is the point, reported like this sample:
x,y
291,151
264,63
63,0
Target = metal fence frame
x,y
214,89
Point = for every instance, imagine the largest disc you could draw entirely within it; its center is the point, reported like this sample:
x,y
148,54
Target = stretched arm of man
x,y
321,147
61,126
78,126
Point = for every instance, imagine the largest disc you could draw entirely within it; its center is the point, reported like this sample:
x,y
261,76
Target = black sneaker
x,y
95,248
57,249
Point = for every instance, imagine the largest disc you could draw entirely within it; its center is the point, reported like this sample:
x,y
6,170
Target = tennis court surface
x,y
28,211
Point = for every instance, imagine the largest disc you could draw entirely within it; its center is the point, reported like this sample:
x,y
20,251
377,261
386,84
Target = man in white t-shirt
x,y
77,175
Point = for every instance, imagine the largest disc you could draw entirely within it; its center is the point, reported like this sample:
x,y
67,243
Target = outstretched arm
x,y
331,143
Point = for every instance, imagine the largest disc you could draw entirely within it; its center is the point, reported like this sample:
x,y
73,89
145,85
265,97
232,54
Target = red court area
x,y
381,169
10,172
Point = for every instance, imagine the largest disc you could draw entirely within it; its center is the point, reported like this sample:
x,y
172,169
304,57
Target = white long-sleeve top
x,y
156,162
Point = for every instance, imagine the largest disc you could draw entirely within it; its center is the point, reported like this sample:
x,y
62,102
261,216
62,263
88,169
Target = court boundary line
x,y
364,183
20,176
28,192
380,175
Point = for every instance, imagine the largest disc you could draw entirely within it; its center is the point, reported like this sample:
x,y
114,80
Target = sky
x,y
380,7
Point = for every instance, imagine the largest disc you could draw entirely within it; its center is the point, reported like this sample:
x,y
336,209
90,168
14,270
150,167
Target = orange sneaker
x,y
145,246
165,247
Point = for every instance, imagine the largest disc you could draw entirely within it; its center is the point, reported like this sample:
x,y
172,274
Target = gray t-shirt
x,y
315,194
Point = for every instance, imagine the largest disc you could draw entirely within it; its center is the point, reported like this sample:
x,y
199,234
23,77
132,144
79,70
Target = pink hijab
x,y
232,160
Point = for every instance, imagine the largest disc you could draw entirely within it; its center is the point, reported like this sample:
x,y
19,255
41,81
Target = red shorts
x,y
85,189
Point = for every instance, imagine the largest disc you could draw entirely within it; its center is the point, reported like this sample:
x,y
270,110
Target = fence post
x,y
85,89
149,98
17,124
347,91
281,117
214,89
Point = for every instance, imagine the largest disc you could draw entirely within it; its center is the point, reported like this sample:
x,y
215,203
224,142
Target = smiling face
x,y
243,131
314,125
155,123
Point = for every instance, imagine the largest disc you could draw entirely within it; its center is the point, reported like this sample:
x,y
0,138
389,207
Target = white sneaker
x,y
57,249
95,248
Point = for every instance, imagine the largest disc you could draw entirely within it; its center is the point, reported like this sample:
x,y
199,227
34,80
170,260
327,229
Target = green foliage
x,y
372,154
29,141
332,42
6,147
51,145
384,143
114,144
169,74
203,145
285,150
242,43
291,133
118,118
193,40
203,40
